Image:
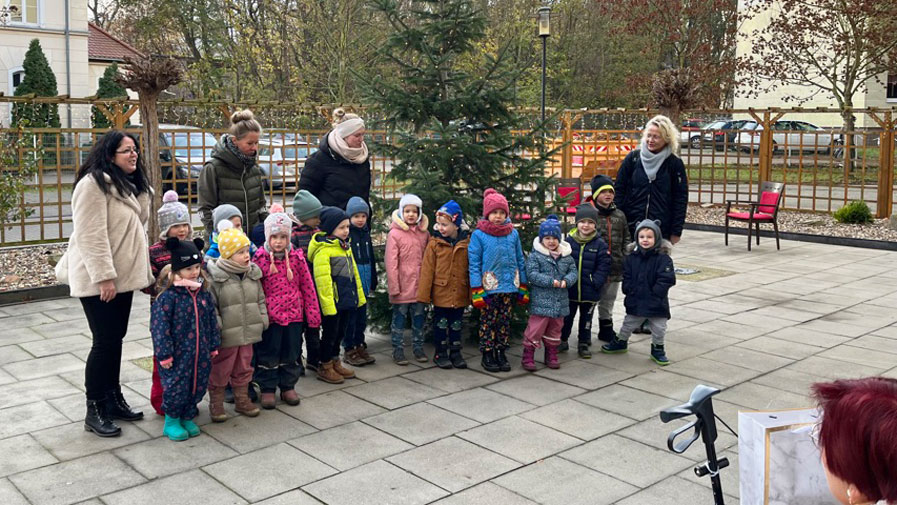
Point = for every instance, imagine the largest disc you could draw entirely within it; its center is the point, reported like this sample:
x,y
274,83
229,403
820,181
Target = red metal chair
x,y
569,192
766,210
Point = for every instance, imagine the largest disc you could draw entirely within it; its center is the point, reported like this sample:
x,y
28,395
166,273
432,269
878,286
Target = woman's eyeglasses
x,y
814,433
127,151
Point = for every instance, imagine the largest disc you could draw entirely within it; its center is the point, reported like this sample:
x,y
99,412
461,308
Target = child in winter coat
x,y
307,210
174,221
242,317
185,335
445,280
648,275
551,271
225,212
614,230
359,212
497,277
339,289
292,304
405,246
593,265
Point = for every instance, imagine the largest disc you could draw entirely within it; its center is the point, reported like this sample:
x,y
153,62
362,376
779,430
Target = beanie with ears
x,y
278,223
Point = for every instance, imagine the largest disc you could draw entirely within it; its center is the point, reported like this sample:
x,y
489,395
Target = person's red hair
x,y
859,433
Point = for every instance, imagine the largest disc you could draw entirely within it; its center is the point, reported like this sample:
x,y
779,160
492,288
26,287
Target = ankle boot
x,y
327,374
352,357
457,358
606,331
489,363
551,357
242,403
173,429
528,362
98,421
118,408
503,362
658,355
441,357
338,367
216,404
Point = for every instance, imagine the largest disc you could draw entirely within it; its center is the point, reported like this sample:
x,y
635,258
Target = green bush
x,y
854,212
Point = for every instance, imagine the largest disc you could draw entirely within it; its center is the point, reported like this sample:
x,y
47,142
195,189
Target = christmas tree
x,y
108,88
39,81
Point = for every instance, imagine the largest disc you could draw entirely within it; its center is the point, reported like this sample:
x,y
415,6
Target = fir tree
x,y
39,81
108,88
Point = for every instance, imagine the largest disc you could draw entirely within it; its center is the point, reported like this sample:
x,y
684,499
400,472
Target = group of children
x,y
241,315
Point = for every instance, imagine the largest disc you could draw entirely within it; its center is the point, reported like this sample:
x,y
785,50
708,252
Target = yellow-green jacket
x,y
336,275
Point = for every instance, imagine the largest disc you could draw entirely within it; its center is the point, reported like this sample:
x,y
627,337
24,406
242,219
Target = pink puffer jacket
x,y
405,246
288,301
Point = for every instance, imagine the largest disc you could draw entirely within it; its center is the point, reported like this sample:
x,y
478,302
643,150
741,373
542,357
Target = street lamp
x,y
544,33
7,12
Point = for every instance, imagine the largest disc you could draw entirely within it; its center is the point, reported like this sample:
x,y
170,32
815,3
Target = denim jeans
x,y
399,312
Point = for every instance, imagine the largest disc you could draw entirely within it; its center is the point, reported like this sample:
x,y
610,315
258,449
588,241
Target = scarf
x,y
187,283
247,161
651,162
496,230
232,267
556,253
356,155
582,239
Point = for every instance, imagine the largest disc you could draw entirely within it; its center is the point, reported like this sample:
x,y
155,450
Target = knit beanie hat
x,y
414,200
230,239
493,200
306,205
600,183
357,205
278,222
184,253
452,210
171,213
586,211
550,228
223,212
331,217
652,225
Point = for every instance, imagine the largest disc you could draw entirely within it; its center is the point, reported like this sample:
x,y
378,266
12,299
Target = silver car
x,y
791,136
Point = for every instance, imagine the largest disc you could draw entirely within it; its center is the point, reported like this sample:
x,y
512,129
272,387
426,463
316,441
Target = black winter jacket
x,y
647,279
665,199
333,179
363,252
224,180
593,266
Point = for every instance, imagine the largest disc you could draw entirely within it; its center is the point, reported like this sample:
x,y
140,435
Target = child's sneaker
x,y
420,355
616,346
584,351
658,355
398,356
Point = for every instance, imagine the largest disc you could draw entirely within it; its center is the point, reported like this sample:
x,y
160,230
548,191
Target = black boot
x,y
503,363
489,362
457,359
564,346
117,407
441,358
228,394
606,330
98,421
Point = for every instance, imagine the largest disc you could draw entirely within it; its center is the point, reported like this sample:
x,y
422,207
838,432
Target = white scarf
x,y
651,162
338,144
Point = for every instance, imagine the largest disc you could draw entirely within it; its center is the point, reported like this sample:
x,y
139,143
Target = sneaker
x,y
398,356
616,346
658,355
457,359
584,352
420,356
564,346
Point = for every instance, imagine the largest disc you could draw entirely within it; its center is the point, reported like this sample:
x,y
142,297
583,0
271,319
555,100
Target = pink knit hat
x,y
493,200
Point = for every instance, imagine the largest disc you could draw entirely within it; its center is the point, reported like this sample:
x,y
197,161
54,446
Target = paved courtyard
x,y
585,434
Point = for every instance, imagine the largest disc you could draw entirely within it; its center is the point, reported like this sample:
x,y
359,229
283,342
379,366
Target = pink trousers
x,y
232,364
540,328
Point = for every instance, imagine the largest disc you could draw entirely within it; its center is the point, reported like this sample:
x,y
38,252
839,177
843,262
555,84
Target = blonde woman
x,y
652,183
232,175
341,167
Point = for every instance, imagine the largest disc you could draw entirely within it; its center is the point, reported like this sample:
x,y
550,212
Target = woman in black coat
x,y
341,167
652,183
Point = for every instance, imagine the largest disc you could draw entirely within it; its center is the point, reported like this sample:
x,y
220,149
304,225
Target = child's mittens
x,y
166,363
478,296
522,295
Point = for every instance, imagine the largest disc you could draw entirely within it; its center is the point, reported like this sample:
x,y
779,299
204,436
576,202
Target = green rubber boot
x,y
191,427
173,429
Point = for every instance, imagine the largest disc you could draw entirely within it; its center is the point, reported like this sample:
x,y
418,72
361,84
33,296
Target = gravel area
x,y
28,267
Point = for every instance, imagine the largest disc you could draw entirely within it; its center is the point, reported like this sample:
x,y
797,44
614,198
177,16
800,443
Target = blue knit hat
x,y
550,228
357,205
331,217
452,210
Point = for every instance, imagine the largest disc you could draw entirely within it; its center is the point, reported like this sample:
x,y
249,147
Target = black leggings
x,y
333,330
108,323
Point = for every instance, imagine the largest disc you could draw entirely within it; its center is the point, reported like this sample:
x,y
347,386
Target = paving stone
x,y
76,480
332,409
53,346
22,453
809,306
789,380
683,490
72,441
535,390
790,314
779,347
569,484
519,439
453,464
747,358
760,397
13,353
129,351
627,401
629,362
654,432
245,434
627,460
65,314
294,497
833,368
30,391
887,332
394,392
28,418
727,329
697,314
482,404
486,493
668,384
42,306
421,423
23,321
875,344
723,307
309,386
385,368
585,374
6,378
188,488
350,445
63,329
9,495
860,356
43,367
451,381
712,371
376,483
805,336
577,419
301,469
160,457
842,329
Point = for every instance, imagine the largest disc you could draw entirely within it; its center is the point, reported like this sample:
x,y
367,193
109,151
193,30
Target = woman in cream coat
x,y
106,261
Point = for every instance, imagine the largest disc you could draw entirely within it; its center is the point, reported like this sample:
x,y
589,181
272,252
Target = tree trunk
x,y
150,148
848,136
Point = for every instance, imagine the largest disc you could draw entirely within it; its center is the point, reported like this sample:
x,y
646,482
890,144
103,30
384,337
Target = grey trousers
x,y
608,298
657,325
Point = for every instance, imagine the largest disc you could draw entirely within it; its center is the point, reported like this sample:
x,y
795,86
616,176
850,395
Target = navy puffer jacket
x,y
647,279
664,199
593,265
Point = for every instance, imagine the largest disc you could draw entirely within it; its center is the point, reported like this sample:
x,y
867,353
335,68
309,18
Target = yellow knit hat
x,y
230,239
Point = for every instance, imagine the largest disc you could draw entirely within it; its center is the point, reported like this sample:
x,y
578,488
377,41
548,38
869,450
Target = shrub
x,y
854,212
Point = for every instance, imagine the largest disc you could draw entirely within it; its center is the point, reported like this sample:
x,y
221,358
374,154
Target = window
x,y
892,88
26,13
16,75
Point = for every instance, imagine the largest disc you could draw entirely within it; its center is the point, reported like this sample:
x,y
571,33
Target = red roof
x,y
104,47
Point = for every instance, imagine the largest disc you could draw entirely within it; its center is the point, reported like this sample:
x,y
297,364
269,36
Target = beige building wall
x,y
95,70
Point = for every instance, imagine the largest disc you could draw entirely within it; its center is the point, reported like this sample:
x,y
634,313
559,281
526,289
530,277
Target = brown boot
x,y
216,405
269,400
353,358
347,373
363,354
242,403
327,374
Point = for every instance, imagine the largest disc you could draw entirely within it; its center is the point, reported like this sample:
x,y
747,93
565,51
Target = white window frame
x,y
27,22
13,71
887,98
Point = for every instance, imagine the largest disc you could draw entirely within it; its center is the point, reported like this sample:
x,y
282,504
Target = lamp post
x,y
544,33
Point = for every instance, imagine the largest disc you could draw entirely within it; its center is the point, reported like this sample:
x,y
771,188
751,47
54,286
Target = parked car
x,y
693,137
183,150
791,136
725,135
281,161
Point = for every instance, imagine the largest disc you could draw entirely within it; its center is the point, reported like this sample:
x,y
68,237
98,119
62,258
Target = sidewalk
x,y
585,434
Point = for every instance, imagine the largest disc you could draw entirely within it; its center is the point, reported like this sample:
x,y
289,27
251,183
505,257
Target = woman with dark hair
x,y
106,261
857,437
